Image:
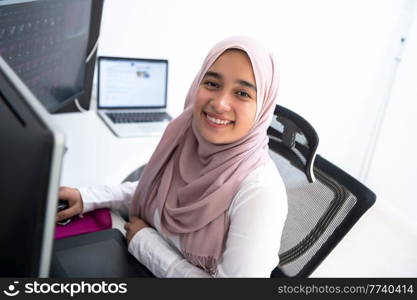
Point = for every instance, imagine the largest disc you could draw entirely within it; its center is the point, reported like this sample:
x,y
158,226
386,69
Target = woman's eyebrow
x,y
239,81
247,84
214,74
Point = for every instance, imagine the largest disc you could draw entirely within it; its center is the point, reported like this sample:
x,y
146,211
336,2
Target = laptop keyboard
x,y
137,117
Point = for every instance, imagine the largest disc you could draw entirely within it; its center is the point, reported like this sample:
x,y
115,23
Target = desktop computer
x,y
31,150
44,49
38,77
45,43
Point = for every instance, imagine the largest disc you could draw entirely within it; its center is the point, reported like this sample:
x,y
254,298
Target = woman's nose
x,y
221,103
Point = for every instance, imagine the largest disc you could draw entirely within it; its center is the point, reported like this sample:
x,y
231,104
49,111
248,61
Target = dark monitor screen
x,y
45,43
31,152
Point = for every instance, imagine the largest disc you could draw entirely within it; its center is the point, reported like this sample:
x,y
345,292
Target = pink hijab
x,y
191,182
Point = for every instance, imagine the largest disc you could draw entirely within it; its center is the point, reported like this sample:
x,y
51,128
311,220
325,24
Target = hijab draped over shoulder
x,y
189,182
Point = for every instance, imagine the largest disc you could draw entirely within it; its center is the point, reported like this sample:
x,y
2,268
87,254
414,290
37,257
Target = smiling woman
x,y
210,202
225,105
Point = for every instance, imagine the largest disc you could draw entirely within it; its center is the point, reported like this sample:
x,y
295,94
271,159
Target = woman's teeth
x,y
218,121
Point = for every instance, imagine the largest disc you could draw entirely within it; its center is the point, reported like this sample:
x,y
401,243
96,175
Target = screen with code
x,y
45,43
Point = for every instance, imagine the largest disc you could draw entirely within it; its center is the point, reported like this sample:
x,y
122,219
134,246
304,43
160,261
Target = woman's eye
x,y
211,84
243,94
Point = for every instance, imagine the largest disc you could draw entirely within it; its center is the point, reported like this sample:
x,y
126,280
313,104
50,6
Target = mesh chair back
x,y
324,202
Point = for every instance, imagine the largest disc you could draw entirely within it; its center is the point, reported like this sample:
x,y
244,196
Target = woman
x,y
210,202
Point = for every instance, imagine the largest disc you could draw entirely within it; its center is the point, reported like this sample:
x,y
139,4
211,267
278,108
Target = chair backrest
x,y
295,139
324,202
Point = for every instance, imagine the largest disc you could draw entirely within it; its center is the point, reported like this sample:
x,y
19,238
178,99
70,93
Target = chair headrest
x,y
294,138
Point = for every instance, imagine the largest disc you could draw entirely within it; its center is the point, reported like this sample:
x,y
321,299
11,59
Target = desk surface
x,y
95,155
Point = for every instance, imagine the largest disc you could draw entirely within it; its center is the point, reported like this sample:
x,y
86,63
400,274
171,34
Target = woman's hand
x,y
75,203
133,226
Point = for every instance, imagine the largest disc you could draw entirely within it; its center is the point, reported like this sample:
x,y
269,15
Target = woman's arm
x,y
116,197
256,222
162,259
257,217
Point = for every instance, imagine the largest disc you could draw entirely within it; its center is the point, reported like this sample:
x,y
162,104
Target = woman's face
x,y
225,107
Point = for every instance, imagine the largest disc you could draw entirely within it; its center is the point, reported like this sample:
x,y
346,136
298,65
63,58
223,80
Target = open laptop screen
x,y
132,83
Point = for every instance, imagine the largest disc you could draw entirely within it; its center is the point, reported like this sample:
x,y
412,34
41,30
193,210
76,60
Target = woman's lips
x,y
216,122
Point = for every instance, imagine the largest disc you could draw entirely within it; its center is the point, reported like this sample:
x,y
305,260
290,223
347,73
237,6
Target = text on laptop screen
x,y
132,83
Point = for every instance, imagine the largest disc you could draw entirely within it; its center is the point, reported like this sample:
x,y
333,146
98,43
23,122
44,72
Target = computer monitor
x,y
31,150
45,42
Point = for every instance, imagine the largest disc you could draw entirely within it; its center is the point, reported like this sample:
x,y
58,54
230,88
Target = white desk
x,y
95,155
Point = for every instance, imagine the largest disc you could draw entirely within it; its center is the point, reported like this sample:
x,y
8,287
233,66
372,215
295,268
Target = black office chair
x,y
324,202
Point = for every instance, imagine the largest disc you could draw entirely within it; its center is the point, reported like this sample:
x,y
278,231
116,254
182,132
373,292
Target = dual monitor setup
x,y
47,60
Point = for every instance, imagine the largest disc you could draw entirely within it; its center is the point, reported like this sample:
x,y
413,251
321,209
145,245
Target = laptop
x,y
132,95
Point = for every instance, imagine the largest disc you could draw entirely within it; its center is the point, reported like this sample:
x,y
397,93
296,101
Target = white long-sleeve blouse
x,y
257,215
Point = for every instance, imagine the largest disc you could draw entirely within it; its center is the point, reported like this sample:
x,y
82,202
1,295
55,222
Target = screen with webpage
x,y
130,83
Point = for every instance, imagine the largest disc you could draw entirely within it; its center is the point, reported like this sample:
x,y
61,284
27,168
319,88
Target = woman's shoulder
x,y
264,186
263,176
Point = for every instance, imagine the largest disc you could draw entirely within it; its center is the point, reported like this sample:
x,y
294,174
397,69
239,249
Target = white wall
x,y
332,54
393,171
337,65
